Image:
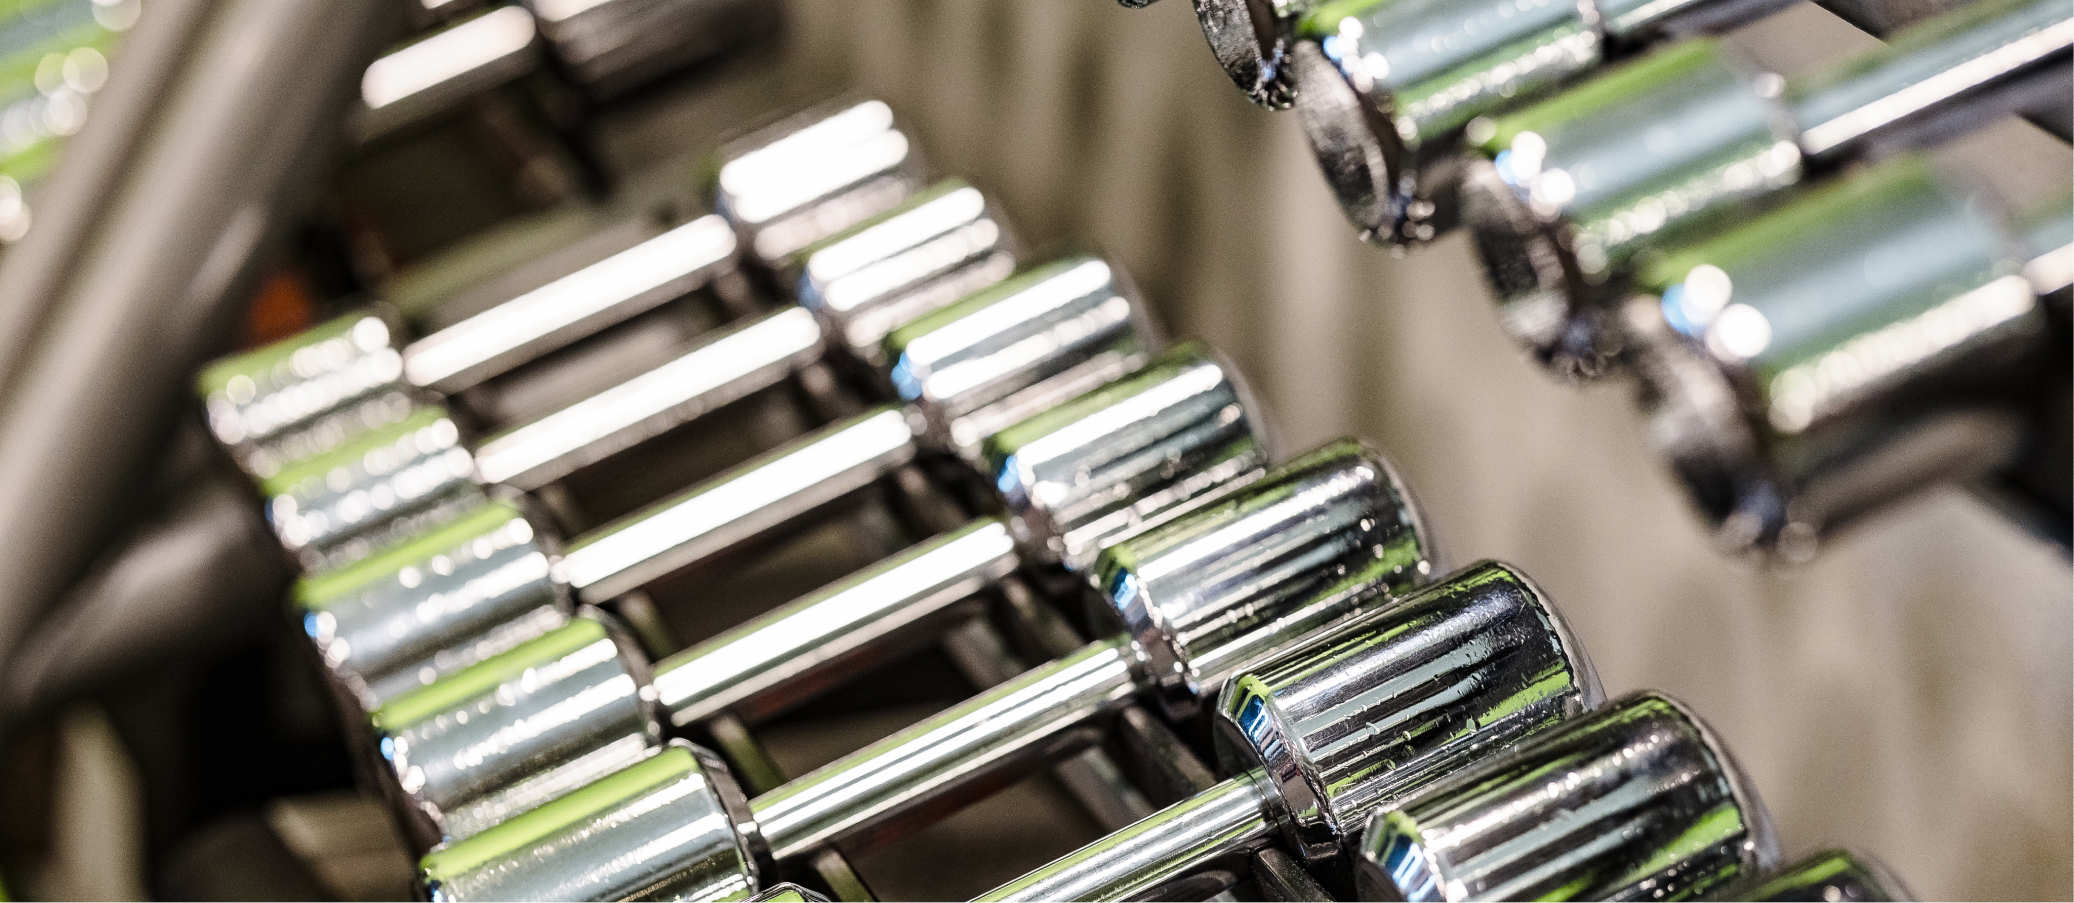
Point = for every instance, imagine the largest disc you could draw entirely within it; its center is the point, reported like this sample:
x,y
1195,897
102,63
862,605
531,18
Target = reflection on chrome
x,y
707,377
872,246
813,162
705,511
609,288
446,55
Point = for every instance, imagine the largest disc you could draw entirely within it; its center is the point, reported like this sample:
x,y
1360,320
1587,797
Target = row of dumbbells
x,y
1813,332
539,751
461,50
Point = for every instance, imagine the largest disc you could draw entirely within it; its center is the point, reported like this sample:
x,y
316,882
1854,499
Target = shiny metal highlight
x,y
1320,737
1637,800
743,503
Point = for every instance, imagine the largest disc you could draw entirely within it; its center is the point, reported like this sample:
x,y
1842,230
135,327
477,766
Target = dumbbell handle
x,y
748,502
766,665
1227,822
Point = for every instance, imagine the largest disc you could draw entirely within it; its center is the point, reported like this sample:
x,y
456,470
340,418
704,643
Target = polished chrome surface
x,y
1384,86
397,619
1018,348
1691,140
1215,829
935,248
322,501
1635,801
724,368
770,663
813,175
637,279
1127,457
1568,190
255,396
738,506
787,892
676,813
612,46
1830,876
519,728
1835,354
1467,666
440,70
1953,67
913,777
1321,736
1228,584
2048,252
1250,39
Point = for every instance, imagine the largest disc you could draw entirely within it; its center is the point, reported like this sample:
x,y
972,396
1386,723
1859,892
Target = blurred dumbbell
x,y
1319,738
1843,351
53,60
1830,876
806,178
1561,196
1385,87
937,247
404,617
1285,560
464,753
601,47
1638,800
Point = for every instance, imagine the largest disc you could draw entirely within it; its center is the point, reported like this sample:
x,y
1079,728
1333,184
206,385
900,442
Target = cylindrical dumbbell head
x,y
1018,348
1636,800
1382,88
1128,456
1559,195
1830,876
1250,39
1459,669
614,46
369,482
1196,596
517,729
680,798
1836,354
936,247
815,174
438,602
257,397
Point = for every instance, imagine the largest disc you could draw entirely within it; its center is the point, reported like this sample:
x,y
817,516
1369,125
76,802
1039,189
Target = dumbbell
x,y
460,753
938,246
603,47
1830,876
1385,88
1319,738
1560,197
1317,541
59,54
406,616
1638,800
805,178
1835,354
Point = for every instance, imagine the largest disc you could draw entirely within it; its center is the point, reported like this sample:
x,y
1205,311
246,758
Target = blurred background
x,y
1909,692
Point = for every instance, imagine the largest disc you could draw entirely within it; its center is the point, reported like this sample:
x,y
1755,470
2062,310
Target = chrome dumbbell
x,y
935,248
1316,542
803,179
1830,876
1318,739
57,55
1386,87
1835,354
1638,800
404,617
1561,196
603,47
477,747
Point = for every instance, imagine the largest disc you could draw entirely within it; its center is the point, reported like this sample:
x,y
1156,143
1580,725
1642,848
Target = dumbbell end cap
x,y
1544,302
1357,151
1251,42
